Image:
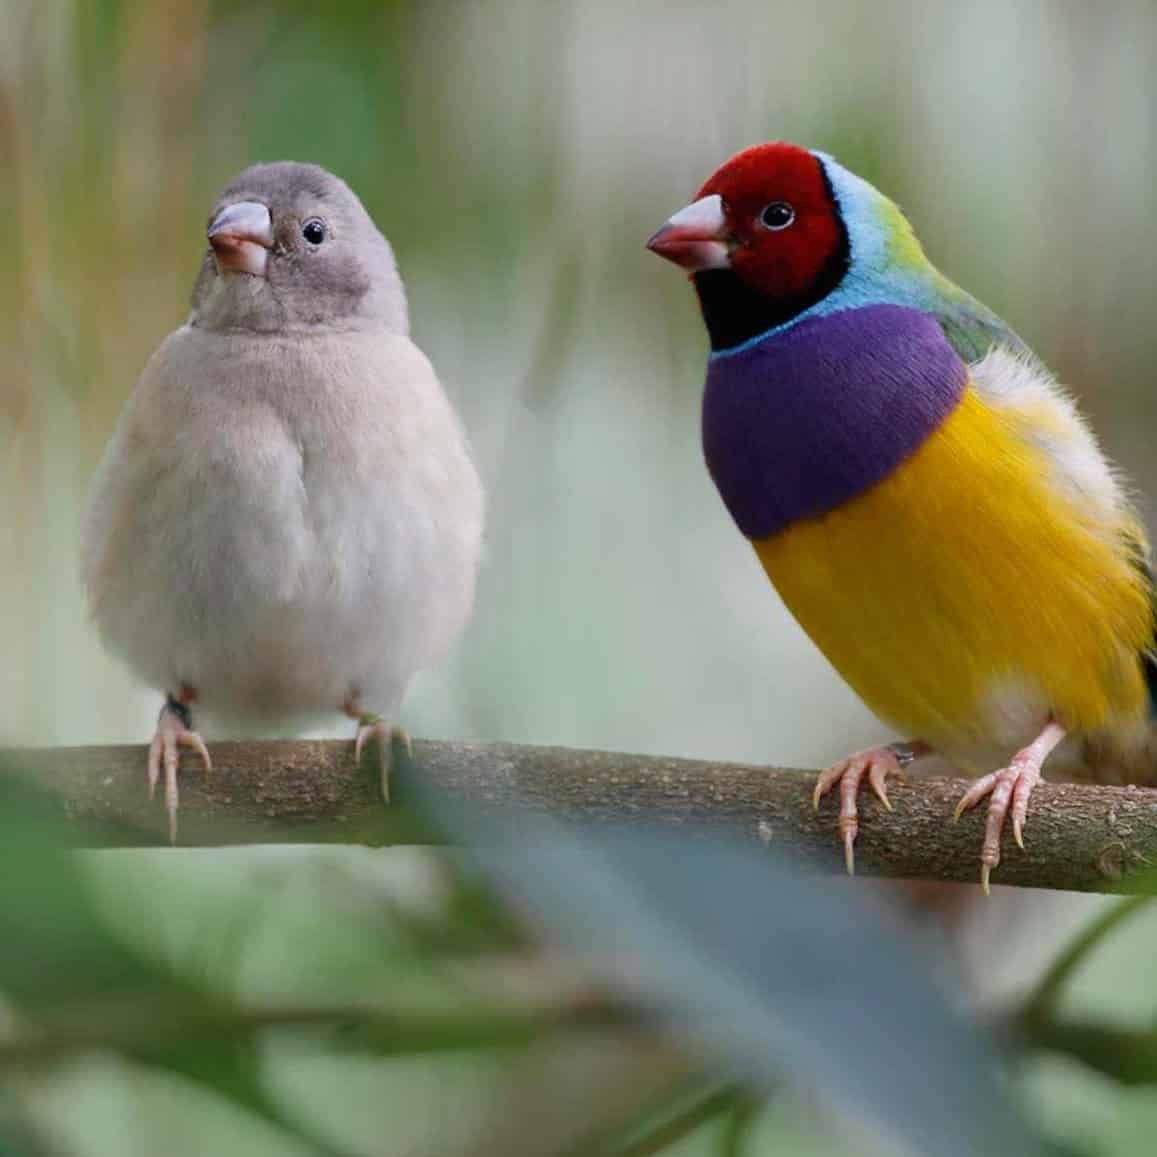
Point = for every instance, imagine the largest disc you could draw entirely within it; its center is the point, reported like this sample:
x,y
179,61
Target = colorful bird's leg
x,y
174,731
876,763
373,726
1010,785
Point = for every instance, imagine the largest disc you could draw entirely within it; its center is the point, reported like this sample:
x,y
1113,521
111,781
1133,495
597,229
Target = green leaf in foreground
x,y
73,985
773,975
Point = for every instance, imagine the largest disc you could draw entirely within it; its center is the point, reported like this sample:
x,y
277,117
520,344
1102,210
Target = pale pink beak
x,y
696,237
241,236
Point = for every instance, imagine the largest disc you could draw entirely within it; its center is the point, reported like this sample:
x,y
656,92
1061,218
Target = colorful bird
x,y
287,522
921,492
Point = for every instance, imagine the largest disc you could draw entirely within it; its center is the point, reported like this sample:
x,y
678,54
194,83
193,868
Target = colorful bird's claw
x,y
874,765
1010,789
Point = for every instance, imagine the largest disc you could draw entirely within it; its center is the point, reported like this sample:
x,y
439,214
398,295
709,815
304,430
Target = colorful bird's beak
x,y
696,237
241,236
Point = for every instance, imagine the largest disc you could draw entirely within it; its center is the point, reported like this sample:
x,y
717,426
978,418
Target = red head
x,y
764,240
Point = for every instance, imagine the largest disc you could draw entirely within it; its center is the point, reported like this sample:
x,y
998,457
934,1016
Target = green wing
x,y
971,328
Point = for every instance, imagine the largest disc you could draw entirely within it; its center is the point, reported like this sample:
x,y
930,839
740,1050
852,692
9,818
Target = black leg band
x,y
179,710
905,753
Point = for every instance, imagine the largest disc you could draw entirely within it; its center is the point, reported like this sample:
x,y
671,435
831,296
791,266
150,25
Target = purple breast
x,y
811,417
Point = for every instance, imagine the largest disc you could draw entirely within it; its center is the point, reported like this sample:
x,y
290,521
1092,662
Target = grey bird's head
x,y
291,249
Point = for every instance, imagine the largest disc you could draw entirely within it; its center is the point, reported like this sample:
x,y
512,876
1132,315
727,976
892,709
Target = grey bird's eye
x,y
777,215
313,231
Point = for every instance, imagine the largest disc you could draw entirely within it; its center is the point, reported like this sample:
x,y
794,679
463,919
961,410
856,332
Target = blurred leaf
x,y
73,984
777,975
1124,1054
55,945
18,1138
1044,998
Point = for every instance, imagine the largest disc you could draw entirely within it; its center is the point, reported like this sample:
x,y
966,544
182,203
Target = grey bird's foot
x,y
373,727
174,731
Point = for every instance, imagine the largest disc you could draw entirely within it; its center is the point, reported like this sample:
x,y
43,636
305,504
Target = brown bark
x,y
1096,839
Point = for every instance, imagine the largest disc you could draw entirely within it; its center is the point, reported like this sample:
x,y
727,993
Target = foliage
x,y
709,963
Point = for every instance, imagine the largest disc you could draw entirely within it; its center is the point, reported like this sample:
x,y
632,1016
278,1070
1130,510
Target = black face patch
x,y
735,312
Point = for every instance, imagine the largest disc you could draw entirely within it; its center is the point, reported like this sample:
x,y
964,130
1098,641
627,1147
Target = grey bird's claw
x,y
373,726
173,732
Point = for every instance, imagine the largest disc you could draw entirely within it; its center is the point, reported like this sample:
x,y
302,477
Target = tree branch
x,y
1093,839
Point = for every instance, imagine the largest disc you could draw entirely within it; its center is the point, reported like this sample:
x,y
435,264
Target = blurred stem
x,y
737,1127
1042,1003
142,1029
1126,1055
692,1118
655,1130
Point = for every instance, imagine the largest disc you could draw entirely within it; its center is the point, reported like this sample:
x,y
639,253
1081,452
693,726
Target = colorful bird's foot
x,y
371,726
174,731
875,764
1010,789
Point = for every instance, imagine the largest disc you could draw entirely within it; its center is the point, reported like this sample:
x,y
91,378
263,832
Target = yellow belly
x,y
965,598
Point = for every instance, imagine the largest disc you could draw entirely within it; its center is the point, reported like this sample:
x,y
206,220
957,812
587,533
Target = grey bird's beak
x,y
241,236
696,237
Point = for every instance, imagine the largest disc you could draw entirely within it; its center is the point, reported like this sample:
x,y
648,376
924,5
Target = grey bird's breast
x,y
282,522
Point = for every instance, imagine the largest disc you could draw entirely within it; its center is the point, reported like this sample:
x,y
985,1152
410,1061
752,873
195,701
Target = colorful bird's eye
x,y
313,231
777,215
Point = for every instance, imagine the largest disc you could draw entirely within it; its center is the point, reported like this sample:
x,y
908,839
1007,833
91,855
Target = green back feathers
x,y
888,266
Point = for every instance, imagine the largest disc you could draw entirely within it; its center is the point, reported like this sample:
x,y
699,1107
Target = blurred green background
x,y
517,153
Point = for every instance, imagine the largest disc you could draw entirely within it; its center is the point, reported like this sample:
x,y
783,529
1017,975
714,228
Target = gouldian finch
x,y
917,486
287,522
